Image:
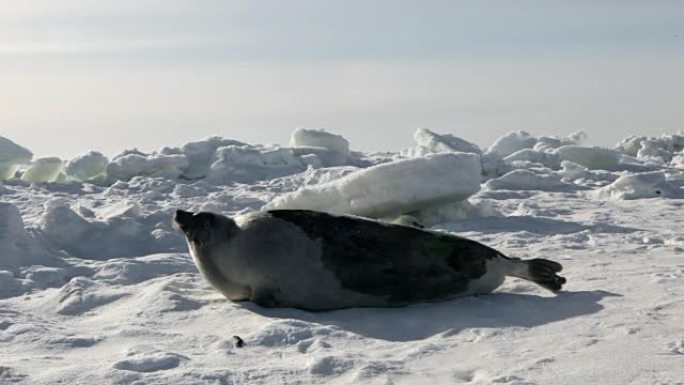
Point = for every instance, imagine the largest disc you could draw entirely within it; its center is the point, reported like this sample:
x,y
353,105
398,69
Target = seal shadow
x,y
417,322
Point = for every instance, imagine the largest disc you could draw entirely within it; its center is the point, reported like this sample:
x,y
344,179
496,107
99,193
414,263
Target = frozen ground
x,y
96,288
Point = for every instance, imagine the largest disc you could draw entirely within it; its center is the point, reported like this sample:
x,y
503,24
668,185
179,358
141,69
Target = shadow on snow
x,y
416,322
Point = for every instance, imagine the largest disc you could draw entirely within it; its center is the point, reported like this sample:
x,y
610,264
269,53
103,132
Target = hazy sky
x,y
107,75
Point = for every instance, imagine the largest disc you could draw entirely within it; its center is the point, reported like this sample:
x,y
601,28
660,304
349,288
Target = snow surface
x,y
97,288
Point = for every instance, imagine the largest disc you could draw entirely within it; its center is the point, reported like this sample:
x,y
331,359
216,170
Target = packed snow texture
x,y
392,189
97,288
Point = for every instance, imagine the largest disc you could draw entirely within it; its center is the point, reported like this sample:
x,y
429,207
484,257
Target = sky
x,y
77,75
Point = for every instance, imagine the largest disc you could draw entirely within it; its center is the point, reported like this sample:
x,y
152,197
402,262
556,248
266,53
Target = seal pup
x,y
317,261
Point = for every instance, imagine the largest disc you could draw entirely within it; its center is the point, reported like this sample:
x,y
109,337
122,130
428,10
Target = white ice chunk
x,y
86,166
319,138
654,152
200,154
156,165
512,142
670,143
392,189
12,156
429,142
324,156
594,158
533,156
630,145
639,186
519,140
331,149
43,170
244,164
527,180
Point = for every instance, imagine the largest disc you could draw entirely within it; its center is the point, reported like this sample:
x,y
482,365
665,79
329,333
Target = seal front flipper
x,y
540,271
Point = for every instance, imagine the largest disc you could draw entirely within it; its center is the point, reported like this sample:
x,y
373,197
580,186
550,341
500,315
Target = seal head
x,y
204,228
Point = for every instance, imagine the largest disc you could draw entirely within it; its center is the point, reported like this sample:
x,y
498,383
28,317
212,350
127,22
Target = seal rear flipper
x,y
540,271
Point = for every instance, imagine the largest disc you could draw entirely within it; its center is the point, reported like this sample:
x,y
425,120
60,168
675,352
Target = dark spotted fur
x,y
400,263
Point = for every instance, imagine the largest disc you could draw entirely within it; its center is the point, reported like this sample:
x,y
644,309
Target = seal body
x,y
317,261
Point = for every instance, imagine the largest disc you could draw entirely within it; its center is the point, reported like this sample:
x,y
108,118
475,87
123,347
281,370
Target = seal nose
x,y
182,219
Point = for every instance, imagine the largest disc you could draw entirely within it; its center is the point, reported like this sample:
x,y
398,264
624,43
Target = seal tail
x,y
540,271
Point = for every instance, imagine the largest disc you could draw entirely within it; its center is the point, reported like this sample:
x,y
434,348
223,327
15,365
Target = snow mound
x,y
640,186
392,189
125,167
243,164
520,140
82,294
670,143
43,170
86,166
529,156
134,270
528,180
150,362
512,142
576,173
18,248
200,154
116,236
12,156
429,142
593,158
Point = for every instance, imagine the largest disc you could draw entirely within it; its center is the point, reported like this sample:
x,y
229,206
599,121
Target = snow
x,y
520,140
127,166
329,149
12,156
513,142
319,138
96,287
86,166
43,170
594,158
392,189
244,165
639,186
429,142
528,180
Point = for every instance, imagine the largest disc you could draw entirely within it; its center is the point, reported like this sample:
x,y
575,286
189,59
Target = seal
x,y
318,261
